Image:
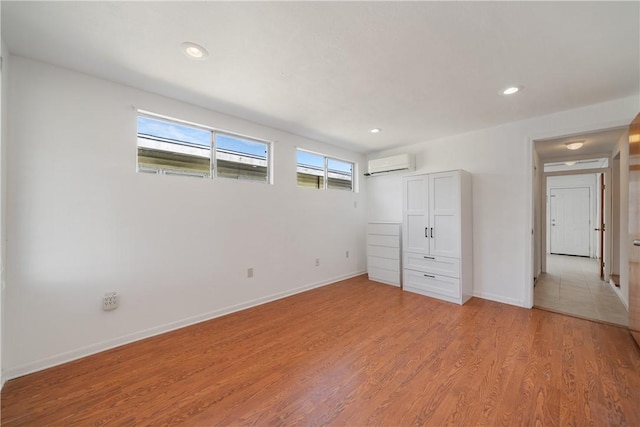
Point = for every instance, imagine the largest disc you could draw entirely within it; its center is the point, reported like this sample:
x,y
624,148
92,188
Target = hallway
x,y
572,286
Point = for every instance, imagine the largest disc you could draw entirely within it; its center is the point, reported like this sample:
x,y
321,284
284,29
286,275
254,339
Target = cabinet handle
x,y
429,257
432,232
425,233
429,276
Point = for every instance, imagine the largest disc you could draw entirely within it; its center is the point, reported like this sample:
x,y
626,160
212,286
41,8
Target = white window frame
x,y
326,169
213,170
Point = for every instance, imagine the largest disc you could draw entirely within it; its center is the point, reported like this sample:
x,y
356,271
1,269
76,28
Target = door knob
x,y
636,243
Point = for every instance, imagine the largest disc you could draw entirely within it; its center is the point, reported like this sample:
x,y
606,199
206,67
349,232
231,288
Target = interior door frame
x,y
633,231
601,223
535,171
607,209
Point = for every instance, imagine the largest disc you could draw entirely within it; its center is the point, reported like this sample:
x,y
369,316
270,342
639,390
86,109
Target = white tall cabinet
x,y
437,235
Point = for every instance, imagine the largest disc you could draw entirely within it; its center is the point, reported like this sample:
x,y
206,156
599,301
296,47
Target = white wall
x,y
614,228
3,186
622,148
588,180
500,159
82,222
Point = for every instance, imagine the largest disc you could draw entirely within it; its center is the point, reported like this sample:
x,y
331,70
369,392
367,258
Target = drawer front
x,y
431,283
385,276
380,240
384,229
383,252
383,263
437,265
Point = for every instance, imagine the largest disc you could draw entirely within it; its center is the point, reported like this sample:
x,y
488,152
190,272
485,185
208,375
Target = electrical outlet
x,y
317,262
250,272
110,301
346,254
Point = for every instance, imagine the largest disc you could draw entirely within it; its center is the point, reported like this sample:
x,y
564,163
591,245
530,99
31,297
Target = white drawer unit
x,y
383,228
381,275
433,264
436,235
383,252
384,241
443,287
390,264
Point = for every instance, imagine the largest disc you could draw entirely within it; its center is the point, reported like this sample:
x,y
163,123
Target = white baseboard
x,y
384,282
499,298
619,294
79,353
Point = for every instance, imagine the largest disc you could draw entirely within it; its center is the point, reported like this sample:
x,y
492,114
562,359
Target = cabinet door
x,y
415,212
444,214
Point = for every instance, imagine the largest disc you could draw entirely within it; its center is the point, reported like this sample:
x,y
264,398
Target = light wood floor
x,y
351,353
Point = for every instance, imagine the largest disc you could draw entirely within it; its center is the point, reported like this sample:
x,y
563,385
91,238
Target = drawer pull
x,y
429,257
429,276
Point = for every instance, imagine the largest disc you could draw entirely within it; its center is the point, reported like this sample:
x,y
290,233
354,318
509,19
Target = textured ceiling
x,y
333,70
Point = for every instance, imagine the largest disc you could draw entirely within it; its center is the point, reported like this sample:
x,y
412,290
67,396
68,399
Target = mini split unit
x,y
401,162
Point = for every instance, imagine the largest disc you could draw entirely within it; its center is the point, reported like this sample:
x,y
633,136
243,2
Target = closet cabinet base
x,y
435,286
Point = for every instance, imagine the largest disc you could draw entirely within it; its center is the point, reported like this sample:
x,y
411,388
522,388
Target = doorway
x,y
572,282
570,235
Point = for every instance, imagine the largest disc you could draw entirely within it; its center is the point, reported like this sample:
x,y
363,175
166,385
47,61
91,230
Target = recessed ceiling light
x,y
375,130
511,90
194,51
574,145
570,163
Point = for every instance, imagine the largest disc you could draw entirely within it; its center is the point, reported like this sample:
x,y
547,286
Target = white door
x,y
444,214
415,221
569,221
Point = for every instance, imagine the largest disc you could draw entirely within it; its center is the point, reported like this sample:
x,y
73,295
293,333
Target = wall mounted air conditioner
x,y
401,162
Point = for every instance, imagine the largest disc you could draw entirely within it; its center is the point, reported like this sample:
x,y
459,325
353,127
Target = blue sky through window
x,y
337,165
239,145
317,161
173,131
310,159
202,137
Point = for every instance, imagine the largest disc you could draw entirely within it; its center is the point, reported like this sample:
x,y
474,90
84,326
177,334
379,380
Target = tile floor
x,y
572,285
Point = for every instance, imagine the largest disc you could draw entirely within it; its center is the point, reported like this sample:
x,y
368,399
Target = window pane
x,y
310,170
168,147
339,175
241,158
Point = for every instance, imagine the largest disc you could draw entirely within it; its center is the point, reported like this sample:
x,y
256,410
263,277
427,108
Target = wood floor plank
x,y
352,353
